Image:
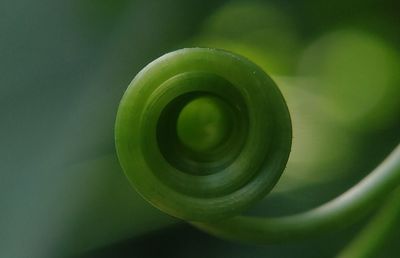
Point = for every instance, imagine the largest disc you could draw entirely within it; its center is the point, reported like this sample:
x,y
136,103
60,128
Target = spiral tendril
x,y
230,173
202,134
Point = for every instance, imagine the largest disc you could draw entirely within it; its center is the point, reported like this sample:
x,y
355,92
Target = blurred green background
x,y
64,66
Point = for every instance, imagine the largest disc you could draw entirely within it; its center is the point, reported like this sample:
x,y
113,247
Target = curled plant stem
x,y
246,145
191,180
372,238
339,212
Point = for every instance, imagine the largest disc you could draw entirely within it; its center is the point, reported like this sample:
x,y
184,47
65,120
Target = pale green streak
x,y
335,214
372,238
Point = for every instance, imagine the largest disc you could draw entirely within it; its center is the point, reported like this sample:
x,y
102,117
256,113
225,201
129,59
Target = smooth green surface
x,y
204,123
335,214
210,185
206,184
65,66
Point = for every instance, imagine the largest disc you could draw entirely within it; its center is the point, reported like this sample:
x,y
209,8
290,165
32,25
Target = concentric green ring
x,y
215,184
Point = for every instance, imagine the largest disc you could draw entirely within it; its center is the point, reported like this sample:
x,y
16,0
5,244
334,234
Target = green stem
x,y
372,238
339,212
247,134
240,154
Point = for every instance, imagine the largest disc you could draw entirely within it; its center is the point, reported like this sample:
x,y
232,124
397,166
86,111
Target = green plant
x,y
240,148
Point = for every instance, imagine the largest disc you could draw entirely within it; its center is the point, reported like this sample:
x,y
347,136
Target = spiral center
x,y
204,123
201,130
